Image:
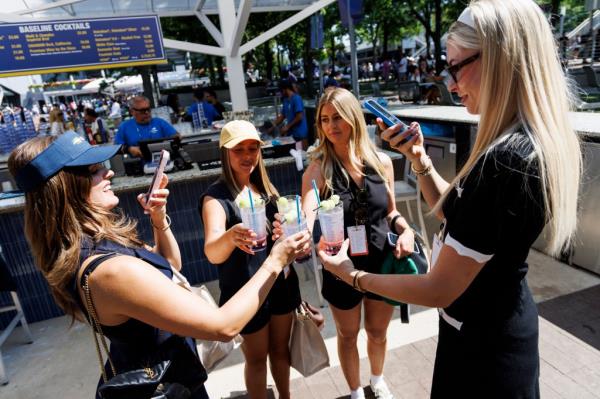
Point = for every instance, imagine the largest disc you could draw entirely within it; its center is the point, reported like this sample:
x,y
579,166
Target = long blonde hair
x,y
522,82
58,215
360,148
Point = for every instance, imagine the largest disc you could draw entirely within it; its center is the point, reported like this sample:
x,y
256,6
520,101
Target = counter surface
x,y
141,183
587,123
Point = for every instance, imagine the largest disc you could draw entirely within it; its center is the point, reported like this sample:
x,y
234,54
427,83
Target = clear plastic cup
x,y
332,228
285,207
257,222
291,226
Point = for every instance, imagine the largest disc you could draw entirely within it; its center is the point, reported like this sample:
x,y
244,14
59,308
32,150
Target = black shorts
x,y
282,299
342,295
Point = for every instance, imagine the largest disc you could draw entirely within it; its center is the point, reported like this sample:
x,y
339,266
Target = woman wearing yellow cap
x,y
227,244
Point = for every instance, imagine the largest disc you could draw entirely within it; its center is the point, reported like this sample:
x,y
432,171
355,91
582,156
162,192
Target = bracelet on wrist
x,y
426,171
356,282
165,228
358,276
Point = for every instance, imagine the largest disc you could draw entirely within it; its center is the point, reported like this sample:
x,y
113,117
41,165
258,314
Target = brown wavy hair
x,y
58,215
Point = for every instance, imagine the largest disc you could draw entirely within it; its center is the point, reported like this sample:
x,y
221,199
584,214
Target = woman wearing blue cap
x,y
77,240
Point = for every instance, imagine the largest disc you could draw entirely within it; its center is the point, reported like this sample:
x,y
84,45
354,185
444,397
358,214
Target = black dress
x,y
133,342
494,215
240,266
372,198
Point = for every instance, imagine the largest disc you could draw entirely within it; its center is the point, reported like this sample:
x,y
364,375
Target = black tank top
x,y
132,341
240,266
374,194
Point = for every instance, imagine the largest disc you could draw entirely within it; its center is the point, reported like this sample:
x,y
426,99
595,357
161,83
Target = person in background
x,y
115,113
211,96
75,235
522,175
175,108
227,245
141,127
210,113
292,111
346,163
331,81
43,127
57,122
95,129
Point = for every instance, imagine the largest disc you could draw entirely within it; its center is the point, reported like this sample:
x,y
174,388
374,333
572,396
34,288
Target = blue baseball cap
x,y
69,149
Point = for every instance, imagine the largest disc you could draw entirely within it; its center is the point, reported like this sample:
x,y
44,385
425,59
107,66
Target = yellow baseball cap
x,y
235,132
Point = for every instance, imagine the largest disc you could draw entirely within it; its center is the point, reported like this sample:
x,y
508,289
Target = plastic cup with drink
x,y
331,219
294,219
254,218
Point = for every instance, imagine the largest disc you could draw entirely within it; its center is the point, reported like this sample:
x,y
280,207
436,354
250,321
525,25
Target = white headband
x,y
467,18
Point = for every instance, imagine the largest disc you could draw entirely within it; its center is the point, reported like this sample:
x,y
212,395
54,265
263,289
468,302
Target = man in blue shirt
x,y
292,110
141,127
210,113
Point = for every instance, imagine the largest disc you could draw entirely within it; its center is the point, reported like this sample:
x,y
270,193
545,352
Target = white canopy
x,y
233,17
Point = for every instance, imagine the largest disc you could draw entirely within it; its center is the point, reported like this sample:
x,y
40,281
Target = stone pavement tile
x,y
578,349
337,376
411,390
548,393
563,384
398,373
427,348
321,386
551,352
420,366
299,388
588,378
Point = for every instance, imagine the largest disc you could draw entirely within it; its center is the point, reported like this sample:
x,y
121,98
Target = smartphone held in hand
x,y
385,115
158,173
392,238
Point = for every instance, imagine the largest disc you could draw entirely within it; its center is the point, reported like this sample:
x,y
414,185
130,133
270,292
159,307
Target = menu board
x,y
72,45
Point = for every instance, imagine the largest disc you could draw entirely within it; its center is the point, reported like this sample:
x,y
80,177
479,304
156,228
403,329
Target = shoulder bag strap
x,y
93,317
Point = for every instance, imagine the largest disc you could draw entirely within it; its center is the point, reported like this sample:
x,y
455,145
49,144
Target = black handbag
x,y
144,383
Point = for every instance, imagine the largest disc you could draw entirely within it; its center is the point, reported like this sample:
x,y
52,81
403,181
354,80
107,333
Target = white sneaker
x,y
381,391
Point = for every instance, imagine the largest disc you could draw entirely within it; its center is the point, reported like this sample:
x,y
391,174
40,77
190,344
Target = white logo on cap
x,y
77,140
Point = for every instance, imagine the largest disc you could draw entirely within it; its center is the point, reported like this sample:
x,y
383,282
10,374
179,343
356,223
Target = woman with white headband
x,y
522,175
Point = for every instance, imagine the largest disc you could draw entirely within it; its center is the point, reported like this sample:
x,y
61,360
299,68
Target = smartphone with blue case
x,y
385,115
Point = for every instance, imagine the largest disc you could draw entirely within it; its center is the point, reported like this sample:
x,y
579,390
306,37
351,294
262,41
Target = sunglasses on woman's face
x,y
454,69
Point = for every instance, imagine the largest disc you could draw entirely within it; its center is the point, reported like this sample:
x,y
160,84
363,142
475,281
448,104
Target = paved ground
x,y
61,363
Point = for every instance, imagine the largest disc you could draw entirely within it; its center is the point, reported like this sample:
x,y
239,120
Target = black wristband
x,y
393,223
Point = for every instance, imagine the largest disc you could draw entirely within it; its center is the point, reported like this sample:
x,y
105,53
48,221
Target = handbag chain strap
x,y
95,324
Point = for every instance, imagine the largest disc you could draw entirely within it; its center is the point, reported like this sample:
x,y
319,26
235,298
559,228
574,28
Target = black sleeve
x,y
219,192
498,197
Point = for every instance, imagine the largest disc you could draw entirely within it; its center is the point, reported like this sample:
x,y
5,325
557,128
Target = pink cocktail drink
x,y
256,220
332,227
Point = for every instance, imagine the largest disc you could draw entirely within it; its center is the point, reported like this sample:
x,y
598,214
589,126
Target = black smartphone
x,y
387,117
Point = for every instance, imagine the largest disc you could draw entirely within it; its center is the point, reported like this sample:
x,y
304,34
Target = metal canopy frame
x,y
229,38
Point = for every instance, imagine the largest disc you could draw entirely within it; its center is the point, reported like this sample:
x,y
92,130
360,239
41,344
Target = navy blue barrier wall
x,y
34,293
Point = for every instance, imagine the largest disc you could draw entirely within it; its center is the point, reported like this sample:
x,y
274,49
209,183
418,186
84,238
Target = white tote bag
x,y
211,352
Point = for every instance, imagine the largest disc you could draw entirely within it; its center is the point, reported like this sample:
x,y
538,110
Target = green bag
x,y
393,265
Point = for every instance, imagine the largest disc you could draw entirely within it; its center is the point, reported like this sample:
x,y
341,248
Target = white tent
x,y
94,85
233,17
129,83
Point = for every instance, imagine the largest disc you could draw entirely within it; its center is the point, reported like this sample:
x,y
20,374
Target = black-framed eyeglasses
x,y
142,110
453,69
